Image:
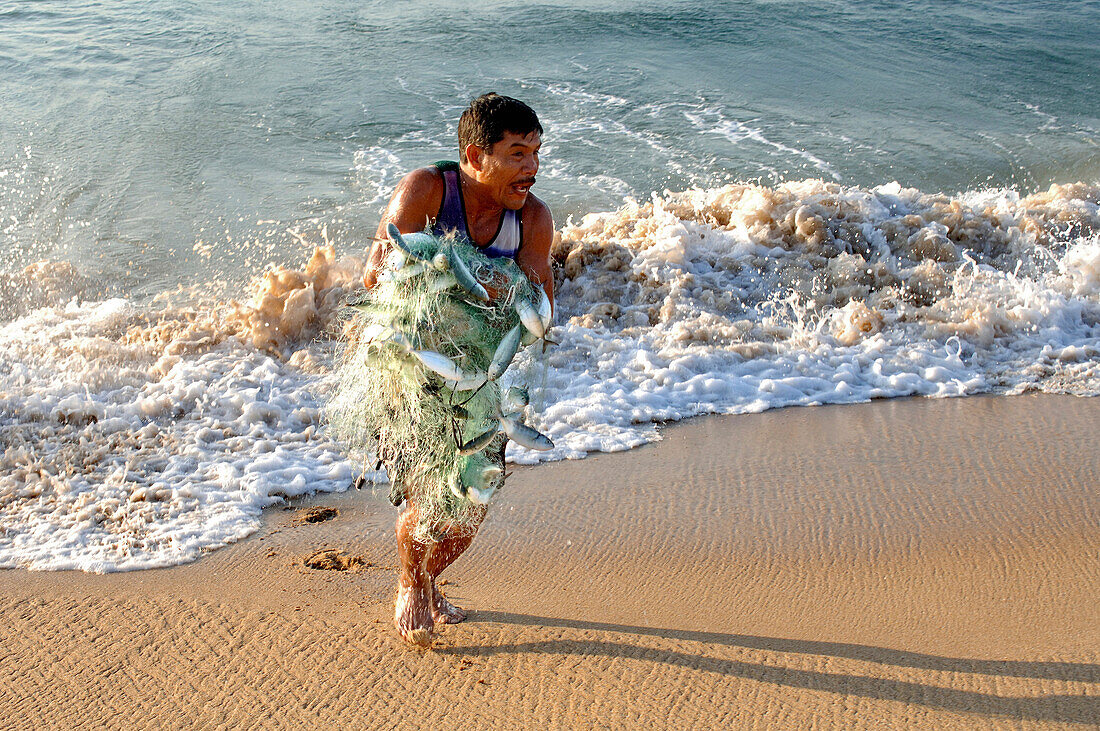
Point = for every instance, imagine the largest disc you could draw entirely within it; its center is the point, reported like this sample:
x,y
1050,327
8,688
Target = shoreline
x,y
928,563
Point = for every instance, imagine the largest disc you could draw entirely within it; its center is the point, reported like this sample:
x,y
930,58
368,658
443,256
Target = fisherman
x,y
485,198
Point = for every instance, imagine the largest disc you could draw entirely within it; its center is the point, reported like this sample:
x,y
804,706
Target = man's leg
x,y
443,554
440,556
413,607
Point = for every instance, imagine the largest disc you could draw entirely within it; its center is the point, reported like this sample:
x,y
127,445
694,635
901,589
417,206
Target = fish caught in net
x,y
419,377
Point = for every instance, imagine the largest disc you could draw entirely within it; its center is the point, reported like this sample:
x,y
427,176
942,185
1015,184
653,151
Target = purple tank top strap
x,y
451,216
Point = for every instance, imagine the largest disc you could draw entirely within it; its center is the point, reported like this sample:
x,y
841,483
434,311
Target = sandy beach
x,y
900,564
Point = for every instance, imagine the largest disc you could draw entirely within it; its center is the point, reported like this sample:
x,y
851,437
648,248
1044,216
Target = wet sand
x,y
901,564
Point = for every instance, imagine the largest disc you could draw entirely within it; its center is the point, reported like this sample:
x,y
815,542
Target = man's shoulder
x,y
535,211
417,198
424,180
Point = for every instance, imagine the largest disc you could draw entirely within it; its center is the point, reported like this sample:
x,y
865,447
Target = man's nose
x,y
530,164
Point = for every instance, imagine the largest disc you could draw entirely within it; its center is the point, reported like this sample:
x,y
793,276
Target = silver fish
x,y
489,474
480,481
403,274
514,399
396,259
395,237
529,316
504,354
464,277
470,382
524,435
458,489
482,492
376,331
545,310
441,261
440,364
442,281
421,242
377,334
401,340
480,442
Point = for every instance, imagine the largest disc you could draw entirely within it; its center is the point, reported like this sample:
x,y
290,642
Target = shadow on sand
x,y
1060,708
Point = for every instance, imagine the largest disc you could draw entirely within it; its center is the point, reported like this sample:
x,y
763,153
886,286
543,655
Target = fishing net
x,y
412,386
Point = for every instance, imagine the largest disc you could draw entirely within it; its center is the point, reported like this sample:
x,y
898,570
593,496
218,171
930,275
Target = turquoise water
x,y
165,143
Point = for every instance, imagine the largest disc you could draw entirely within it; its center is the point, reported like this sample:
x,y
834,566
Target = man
x,y
486,198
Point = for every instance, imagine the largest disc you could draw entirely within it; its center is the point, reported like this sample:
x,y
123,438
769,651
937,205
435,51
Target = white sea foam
x,y
745,298
135,437
112,465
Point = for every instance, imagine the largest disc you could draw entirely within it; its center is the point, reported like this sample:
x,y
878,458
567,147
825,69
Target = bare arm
x,y
414,204
538,235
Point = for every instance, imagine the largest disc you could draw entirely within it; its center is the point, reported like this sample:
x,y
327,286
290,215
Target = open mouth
x,y
523,187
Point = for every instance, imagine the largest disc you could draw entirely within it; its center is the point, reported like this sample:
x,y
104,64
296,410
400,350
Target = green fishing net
x,y
391,400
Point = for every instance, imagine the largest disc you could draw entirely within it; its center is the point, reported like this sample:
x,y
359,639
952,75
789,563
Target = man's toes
x,y
445,612
453,613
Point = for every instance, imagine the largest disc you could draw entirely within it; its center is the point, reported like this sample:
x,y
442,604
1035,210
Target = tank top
x,y
452,217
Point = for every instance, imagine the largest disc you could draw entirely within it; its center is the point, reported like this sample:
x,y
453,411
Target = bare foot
x,y
412,613
443,611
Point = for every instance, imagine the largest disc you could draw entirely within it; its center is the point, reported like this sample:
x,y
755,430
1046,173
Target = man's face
x,y
508,168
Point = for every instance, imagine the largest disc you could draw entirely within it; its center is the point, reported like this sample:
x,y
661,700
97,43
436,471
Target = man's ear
x,y
473,156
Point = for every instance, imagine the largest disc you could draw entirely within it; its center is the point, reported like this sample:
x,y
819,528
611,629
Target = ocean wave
x,y
746,297
142,435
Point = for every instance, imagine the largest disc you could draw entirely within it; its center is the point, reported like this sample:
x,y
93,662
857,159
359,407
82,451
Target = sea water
x,y
759,204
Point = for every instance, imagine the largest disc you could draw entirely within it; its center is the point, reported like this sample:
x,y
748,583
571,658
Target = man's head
x,y
500,139
490,117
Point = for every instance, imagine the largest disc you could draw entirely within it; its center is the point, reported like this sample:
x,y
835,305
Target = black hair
x,y
490,117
